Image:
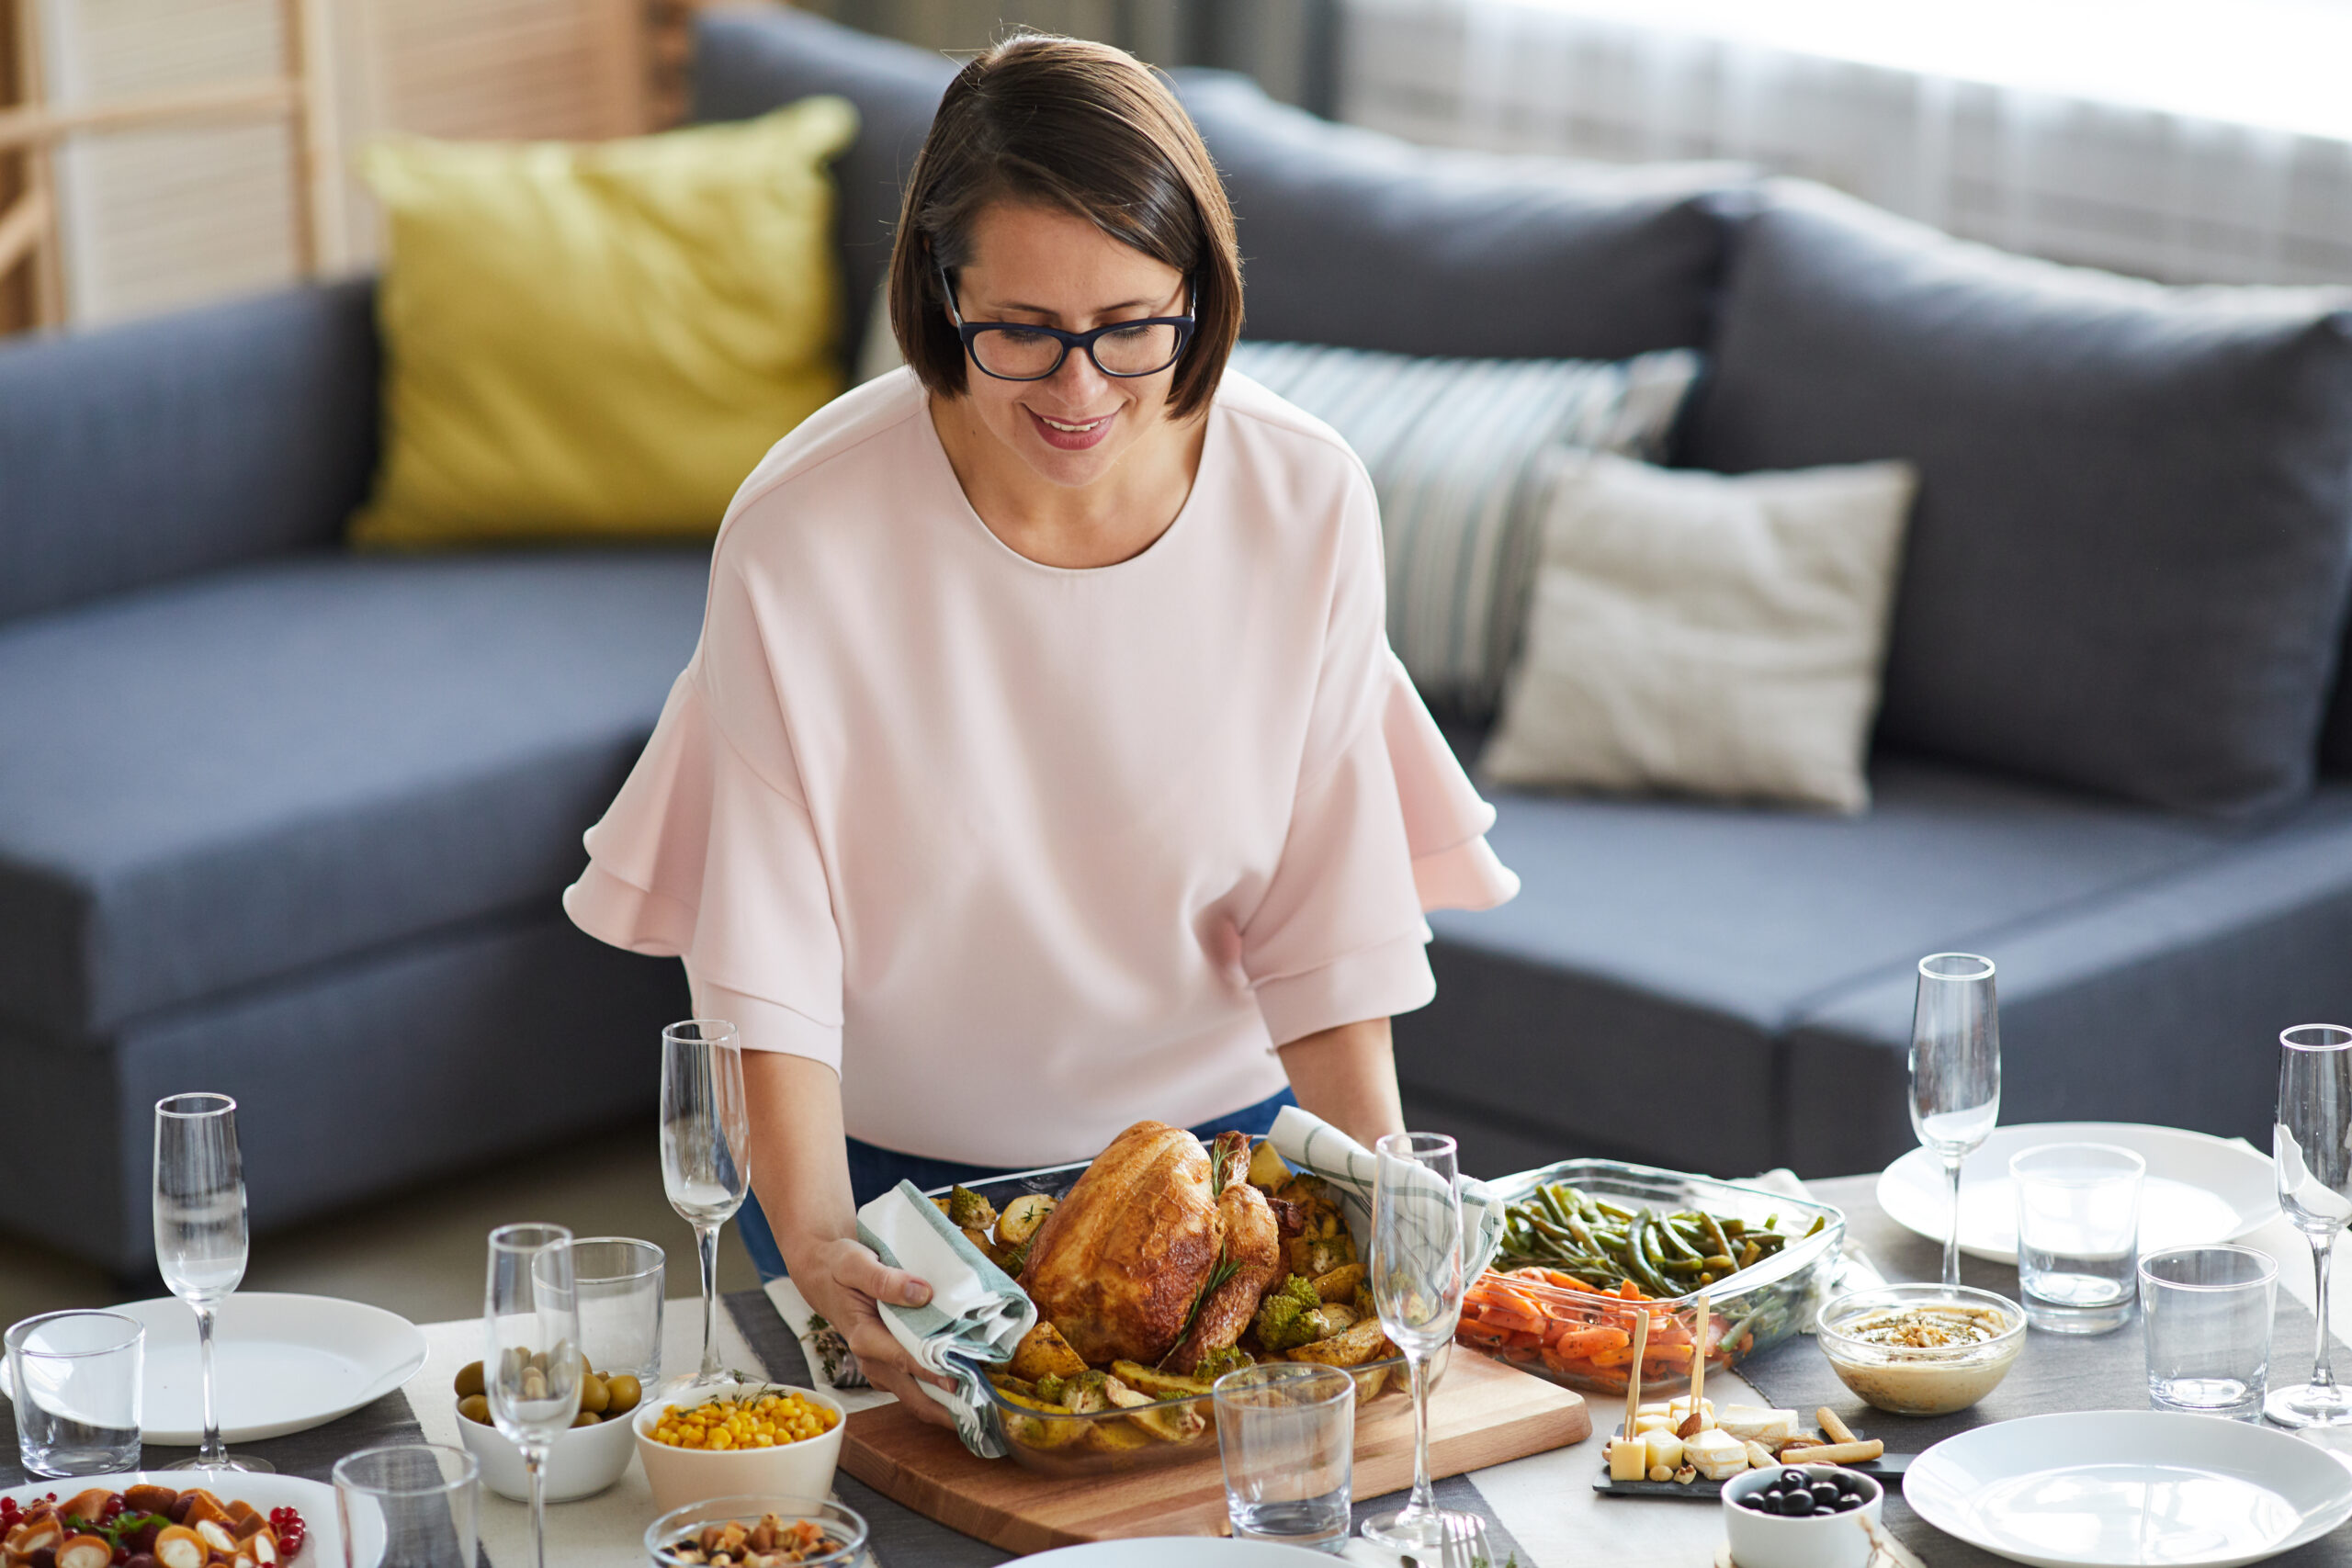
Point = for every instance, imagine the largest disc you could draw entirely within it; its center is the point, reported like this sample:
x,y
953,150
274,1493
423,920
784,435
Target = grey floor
x,y
421,1254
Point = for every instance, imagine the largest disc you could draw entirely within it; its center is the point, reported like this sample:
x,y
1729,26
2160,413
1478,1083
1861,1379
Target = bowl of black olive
x,y
1807,1516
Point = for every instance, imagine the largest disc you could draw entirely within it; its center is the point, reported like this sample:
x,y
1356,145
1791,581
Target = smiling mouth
x,y
1075,429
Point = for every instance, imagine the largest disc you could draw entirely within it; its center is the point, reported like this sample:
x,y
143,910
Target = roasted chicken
x,y
1160,1253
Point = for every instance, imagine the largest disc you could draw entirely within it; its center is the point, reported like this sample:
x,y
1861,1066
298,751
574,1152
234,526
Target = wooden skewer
x,y
1699,1331
1633,1382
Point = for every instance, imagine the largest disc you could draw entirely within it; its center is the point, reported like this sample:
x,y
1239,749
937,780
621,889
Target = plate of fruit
x,y
148,1520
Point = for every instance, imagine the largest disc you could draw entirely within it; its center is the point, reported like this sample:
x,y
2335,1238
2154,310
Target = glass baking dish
x,y
1580,1337
1167,1431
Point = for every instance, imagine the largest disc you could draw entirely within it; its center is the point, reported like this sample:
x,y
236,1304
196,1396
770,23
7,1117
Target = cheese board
x,y
1701,1489
1483,1413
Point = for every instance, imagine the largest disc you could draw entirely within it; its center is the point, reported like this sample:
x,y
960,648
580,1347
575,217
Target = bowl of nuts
x,y
759,1532
740,1439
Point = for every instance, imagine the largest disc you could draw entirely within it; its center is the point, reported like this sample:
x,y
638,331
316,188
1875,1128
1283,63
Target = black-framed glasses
x,y
1013,351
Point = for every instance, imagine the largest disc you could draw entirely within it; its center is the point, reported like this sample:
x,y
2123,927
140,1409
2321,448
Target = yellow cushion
x,y
599,341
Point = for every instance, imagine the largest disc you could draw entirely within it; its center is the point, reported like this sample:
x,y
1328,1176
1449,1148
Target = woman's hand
x,y
843,1282
802,1177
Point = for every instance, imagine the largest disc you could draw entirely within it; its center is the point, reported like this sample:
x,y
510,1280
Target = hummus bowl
x,y
1922,1350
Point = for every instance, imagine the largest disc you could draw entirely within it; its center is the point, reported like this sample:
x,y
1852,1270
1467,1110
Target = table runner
x,y
905,1539
2052,1373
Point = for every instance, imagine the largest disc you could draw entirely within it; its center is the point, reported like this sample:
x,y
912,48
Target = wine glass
x,y
1955,1070
200,1237
531,1360
2310,1146
705,1153
1416,1287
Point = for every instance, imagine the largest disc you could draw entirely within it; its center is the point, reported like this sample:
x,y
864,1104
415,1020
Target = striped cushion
x,y
1452,446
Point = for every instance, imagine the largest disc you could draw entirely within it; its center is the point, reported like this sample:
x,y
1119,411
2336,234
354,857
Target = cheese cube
x,y
1681,1409
1755,1424
1666,1448
1651,1407
1628,1461
1716,1454
1659,1422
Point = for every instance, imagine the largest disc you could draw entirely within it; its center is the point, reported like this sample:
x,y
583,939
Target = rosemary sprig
x,y
1224,1270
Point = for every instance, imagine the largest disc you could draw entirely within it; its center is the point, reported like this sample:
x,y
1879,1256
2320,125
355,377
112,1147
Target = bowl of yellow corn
x,y
733,1439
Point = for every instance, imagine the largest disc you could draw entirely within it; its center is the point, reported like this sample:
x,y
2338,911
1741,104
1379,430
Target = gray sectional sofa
x,y
289,822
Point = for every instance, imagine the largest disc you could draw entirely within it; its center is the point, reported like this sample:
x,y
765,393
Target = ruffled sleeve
x,y
1384,826
708,853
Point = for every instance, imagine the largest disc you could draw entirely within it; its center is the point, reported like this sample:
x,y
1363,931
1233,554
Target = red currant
x,y
290,1529
113,1509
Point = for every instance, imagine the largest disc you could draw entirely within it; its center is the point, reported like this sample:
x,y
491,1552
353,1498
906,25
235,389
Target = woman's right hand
x,y
843,1282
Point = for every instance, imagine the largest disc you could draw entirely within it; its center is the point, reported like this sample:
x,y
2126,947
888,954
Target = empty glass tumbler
x,y
2206,1312
1286,1433
409,1505
620,1282
76,1381
2079,1234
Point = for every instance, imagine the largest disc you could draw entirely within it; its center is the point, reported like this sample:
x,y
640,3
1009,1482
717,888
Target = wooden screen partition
x,y
35,124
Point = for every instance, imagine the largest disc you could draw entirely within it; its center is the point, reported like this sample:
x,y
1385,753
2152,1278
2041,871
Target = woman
x,y
1043,767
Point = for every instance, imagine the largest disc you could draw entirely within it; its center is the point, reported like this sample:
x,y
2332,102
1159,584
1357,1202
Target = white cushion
x,y
1706,633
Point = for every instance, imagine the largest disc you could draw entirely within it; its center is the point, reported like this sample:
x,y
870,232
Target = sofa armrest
x,y
140,453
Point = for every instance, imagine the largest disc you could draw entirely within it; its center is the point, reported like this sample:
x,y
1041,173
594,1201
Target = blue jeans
x,y
874,1171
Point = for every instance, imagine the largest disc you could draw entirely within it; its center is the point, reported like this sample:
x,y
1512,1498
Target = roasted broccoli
x,y
1289,1316
1052,1387
1216,1363
968,1208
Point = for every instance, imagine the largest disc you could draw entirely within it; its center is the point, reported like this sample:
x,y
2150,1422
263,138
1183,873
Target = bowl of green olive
x,y
583,1460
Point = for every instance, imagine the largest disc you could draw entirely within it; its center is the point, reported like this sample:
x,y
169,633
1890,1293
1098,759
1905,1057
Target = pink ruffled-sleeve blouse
x,y
1026,853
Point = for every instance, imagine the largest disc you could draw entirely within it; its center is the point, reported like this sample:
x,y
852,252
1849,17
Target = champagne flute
x,y
200,1239
2310,1146
531,1360
1955,1070
706,1149
1417,1287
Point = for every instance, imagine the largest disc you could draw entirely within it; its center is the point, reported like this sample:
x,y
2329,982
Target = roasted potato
x,y
1340,1284
1011,1384
1267,1168
1156,1384
1021,1219
1352,1346
1038,1431
989,1248
1117,1437
1370,1382
1043,1349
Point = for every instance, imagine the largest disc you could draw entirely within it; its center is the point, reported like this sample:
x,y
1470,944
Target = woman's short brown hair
x,y
1092,130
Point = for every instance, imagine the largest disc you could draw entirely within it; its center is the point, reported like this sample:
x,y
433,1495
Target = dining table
x,y
1542,1510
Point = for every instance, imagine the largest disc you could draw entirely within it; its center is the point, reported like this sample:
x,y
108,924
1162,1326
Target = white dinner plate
x,y
280,1364
2129,1487
321,1544
1179,1551
2200,1188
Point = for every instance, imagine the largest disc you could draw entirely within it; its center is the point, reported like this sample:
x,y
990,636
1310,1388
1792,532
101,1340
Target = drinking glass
x,y
200,1237
1287,1434
1955,1070
76,1376
531,1354
2311,1147
620,1283
408,1505
706,1149
2079,1234
2207,1313
1416,1287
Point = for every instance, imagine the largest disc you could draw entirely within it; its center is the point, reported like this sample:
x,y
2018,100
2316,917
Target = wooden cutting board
x,y
1482,1412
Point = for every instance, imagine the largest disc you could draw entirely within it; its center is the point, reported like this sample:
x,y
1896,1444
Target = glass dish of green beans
x,y
1581,1231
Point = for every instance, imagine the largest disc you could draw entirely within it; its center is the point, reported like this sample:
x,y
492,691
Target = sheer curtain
x,y
2138,161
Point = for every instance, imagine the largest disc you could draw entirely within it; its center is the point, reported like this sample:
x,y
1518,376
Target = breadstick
x,y
1833,1453
1699,1332
1836,1431
1633,1382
